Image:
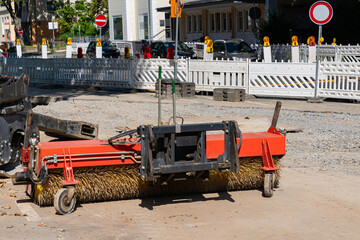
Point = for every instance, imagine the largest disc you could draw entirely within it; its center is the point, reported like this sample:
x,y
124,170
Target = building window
x,y
51,6
217,21
229,22
247,20
212,20
189,24
167,26
200,23
224,22
240,21
118,28
195,23
143,26
162,23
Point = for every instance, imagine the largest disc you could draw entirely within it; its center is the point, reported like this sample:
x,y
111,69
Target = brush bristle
x,y
117,182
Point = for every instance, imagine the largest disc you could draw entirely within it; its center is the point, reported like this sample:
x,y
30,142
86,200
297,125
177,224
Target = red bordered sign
x,y
321,12
20,31
100,20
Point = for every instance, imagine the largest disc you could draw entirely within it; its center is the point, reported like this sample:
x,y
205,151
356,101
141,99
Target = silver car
x,y
233,50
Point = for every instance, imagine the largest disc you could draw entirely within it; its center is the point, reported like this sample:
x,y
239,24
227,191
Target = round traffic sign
x,y
321,12
100,20
20,31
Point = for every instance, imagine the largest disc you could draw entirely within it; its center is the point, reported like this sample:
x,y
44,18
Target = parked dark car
x,y
159,49
108,50
233,50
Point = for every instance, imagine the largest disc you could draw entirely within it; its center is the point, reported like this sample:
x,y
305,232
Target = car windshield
x,y
234,47
181,46
107,44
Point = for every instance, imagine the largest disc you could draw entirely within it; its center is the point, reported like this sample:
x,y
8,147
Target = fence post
x,y
18,48
247,76
44,48
69,48
98,48
267,50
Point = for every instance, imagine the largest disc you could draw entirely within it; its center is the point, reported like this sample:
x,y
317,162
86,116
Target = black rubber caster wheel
x,y
268,185
62,204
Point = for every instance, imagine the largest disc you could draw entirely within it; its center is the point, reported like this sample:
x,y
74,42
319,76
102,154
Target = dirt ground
x,y
318,196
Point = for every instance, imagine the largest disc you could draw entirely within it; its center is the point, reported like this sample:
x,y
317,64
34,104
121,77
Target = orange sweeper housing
x,y
151,161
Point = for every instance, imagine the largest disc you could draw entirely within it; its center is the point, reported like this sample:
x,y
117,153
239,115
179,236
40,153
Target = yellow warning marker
x,y
127,53
334,42
43,41
98,42
311,41
18,42
294,40
69,41
321,40
209,44
266,41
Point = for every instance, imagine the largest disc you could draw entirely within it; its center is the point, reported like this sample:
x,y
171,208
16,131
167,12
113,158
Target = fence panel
x,y
40,71
340,80
93,72
208,75
146,71
282,79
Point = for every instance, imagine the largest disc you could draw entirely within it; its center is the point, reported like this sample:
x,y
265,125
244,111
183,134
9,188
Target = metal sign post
x,y
53,25
175,60
320,13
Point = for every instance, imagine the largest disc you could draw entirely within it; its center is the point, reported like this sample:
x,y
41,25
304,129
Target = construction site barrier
x,y
336,79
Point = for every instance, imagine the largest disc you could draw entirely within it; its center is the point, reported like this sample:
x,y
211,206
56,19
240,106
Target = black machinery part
x,y
178,152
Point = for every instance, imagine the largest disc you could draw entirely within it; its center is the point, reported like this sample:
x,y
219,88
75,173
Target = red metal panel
x,y
100,152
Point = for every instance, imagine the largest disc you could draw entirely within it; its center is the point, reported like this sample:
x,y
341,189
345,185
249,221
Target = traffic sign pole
x,y
320,13
317,64
100,21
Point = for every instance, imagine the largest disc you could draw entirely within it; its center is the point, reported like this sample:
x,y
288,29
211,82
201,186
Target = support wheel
x,y
268,185
63,205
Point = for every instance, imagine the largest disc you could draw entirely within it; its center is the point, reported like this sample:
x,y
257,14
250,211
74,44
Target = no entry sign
x,y
20,31
100,20
321,12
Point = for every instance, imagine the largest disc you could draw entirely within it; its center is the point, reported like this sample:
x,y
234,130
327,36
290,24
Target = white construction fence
x,y
336,79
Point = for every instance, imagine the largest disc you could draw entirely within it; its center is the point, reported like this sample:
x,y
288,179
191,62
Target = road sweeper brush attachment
x,y
152,161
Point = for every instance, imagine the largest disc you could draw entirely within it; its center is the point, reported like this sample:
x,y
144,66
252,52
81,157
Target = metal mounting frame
x,y
180,150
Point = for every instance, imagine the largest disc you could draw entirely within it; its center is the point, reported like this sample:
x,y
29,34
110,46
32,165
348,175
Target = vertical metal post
x,y
100,34
149,21
53,25
79,32
159,95
317,64
176,59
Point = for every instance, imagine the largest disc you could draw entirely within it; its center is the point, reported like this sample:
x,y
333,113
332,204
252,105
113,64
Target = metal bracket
x,y
68,171
179,151
267,157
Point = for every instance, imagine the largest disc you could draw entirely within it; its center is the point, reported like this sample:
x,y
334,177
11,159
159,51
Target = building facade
x,y
129,19
228,19
6,27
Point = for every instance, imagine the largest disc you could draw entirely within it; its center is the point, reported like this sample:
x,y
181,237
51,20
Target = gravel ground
x,y
328,141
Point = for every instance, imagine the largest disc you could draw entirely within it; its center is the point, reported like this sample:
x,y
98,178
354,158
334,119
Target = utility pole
x,y
149,21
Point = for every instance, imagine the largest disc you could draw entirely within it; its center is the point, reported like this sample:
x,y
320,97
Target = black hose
x,y
123,134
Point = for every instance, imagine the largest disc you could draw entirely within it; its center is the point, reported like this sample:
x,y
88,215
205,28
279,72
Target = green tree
x,y
81,13
15,9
